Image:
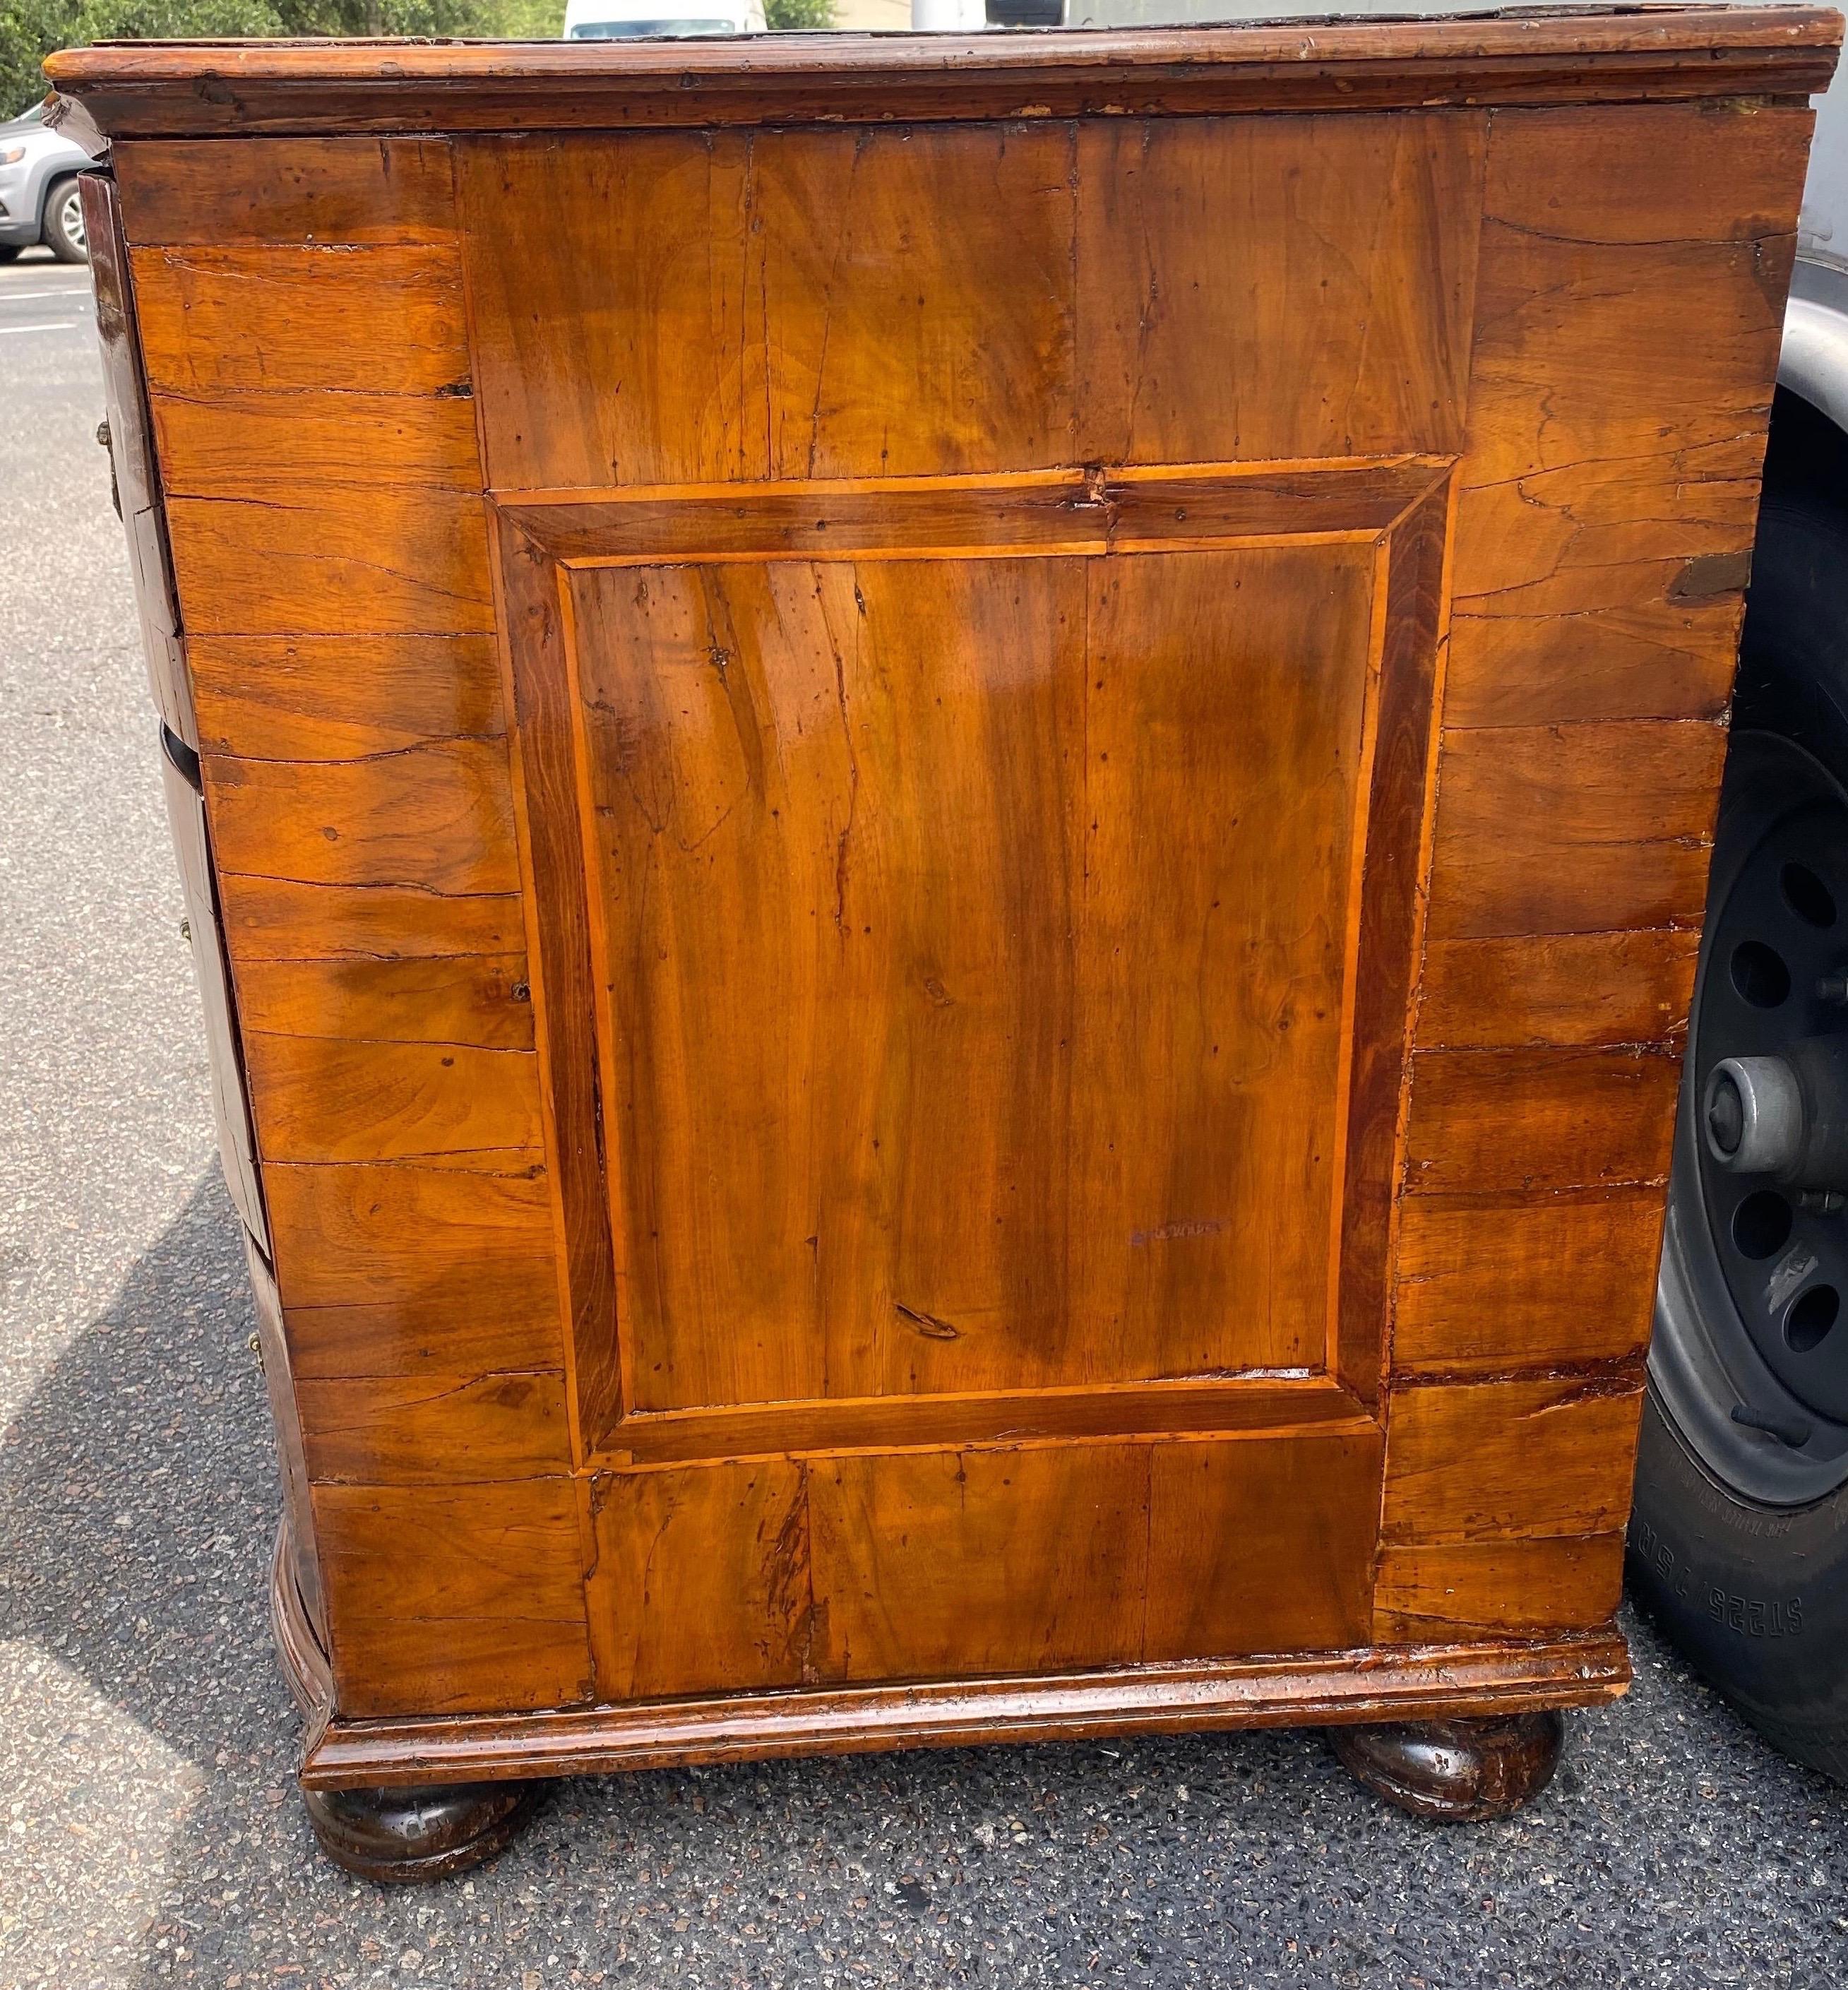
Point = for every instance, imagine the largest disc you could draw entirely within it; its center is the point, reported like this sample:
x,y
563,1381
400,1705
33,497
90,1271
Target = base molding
x,y
1383,1684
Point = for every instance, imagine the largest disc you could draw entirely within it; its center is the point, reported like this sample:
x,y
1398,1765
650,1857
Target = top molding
x,y
1541,56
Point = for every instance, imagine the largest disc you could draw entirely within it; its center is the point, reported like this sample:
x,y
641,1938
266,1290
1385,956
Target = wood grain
x,y
283,918
701,1578
1489,1283
1493,1461
434,1429
868,1137
1203,337
978,322
339,697
336,562
893,820
1564,989
134,465
371,1235
1536,1120
959,1564
512,1328
1260,1544
458,1599
438,816
348,318
1425,1591
208,443
292,192
319,1098
1586,828
482,1001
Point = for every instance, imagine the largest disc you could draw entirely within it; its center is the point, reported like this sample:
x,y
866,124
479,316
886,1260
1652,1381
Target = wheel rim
x,y
71,221
1750,1355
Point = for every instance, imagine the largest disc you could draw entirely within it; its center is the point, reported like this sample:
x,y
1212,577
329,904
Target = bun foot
x,y
404,1838
1455,1772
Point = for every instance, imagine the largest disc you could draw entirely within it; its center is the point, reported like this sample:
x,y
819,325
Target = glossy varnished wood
x,y
959,846
395,86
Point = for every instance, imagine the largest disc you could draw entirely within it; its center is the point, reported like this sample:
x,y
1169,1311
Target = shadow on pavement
x,y
136,1508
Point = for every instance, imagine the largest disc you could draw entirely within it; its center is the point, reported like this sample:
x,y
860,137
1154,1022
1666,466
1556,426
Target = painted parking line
x,y
56,324
21,296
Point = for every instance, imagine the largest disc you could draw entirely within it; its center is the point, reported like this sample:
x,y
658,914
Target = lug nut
x,y
1752,1110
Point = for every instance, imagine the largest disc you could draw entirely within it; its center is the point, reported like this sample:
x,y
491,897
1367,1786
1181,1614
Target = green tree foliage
x,y
30,29
794,13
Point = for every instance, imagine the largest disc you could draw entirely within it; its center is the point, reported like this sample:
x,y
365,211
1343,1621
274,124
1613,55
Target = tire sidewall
x,y
56,239
1756,1595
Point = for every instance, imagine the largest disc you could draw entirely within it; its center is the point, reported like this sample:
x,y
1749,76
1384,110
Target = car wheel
x,y
63,232
1738,1542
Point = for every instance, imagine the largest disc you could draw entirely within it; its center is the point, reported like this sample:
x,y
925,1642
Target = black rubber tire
x,y
1756,1596
55,237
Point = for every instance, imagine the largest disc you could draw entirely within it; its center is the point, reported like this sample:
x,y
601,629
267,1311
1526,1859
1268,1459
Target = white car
x,y
39,202
638,20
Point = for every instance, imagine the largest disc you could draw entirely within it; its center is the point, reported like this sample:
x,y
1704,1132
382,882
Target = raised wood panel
x,y
1519,1588
341,698
357,1235
1490,1461
1277,288
357,320
1491,1283
701,1578
962,1142
281,918
453,1599
207,445
1262,1544
953,1563
482,1002
440,816
1538,1120
316,1098
293,191
297,561
1584,828
1566,988
433,1428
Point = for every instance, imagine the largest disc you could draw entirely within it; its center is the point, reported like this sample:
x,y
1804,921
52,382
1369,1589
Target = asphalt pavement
x,y
150,1831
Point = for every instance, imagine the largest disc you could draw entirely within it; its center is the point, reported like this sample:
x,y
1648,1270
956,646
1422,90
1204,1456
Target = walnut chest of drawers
x,y
946,807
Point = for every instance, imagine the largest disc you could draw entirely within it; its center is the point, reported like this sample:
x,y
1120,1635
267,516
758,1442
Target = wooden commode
x,y
947,806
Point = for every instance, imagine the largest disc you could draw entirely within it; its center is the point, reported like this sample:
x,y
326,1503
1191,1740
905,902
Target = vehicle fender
x,y
1814,361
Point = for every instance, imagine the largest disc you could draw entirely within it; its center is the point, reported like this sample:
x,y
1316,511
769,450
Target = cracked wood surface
x,y
961,867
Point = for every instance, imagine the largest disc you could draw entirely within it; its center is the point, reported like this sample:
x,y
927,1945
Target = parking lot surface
x,y
149,1827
